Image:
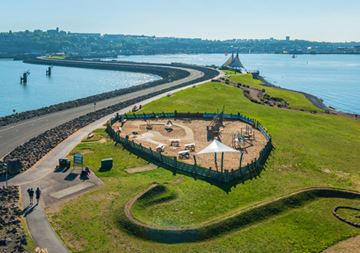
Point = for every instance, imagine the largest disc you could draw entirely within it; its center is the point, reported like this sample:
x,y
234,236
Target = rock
x,y
10,221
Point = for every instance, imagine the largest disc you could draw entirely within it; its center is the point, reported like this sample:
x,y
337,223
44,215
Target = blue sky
x,y
321,20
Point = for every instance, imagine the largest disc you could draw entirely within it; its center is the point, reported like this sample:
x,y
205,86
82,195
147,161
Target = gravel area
x,y
193,131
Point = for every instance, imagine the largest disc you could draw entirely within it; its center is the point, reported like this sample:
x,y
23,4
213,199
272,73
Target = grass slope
x,y
311,150
295,99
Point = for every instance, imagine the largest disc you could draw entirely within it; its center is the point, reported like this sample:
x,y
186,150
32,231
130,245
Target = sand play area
x,y
152,134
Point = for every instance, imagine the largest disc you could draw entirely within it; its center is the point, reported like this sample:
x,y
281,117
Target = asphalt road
x,y
16,134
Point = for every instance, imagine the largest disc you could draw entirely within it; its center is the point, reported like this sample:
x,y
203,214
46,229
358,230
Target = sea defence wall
x,y
34,149
166,72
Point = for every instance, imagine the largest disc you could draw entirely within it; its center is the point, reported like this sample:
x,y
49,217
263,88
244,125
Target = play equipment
x,y
160,148
215,127
185,154
136,108
148,125
190,147
123,121
238,140
175,142
248,133
168,126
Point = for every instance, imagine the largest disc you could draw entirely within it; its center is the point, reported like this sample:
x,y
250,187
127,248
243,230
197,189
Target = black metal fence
x,y
244,173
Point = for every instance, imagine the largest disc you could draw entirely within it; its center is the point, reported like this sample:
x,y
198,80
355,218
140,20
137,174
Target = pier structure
x,y
24,77
48,71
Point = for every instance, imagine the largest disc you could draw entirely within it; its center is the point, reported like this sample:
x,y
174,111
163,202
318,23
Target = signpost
x,y
78,160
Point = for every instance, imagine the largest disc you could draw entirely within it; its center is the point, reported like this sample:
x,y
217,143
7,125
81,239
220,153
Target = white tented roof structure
x,y
217,147
234,62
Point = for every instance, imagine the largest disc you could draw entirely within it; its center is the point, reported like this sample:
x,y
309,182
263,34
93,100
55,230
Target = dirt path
x,y
148,167
351,245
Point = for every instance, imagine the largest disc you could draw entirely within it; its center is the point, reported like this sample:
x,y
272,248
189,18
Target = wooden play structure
x,y
148,125
169,126
214,129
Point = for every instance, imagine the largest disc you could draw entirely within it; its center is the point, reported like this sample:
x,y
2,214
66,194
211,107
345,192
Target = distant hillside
x,y
96,45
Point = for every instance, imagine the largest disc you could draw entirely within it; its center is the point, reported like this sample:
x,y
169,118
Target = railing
x,y
244,173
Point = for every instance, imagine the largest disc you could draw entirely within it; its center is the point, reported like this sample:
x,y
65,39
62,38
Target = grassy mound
x,y
295,99
238,220
310,150
157,195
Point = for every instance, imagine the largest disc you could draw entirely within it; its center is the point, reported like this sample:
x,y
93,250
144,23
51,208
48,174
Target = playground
x,y
185,138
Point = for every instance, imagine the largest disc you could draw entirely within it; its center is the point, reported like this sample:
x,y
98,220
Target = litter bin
x,y
106,164
64,163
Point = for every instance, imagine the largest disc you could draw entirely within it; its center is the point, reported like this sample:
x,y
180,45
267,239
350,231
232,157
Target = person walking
x,y
38,193
31,195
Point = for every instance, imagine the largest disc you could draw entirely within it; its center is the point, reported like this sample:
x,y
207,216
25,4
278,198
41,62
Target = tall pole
x,y
222,162
215,160
241,157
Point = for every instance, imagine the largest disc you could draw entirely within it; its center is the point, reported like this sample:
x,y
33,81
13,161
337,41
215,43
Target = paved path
x,y
40,228
351,245
16,134
55,187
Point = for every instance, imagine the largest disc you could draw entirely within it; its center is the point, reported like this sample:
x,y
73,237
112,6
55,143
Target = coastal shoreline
x,y
35,148
316,101
166,72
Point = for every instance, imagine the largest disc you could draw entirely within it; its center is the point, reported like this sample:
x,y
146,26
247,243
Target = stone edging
x,y
344,219
167,73
223,225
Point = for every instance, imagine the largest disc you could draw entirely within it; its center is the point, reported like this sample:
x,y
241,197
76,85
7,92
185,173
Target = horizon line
x,y
182,37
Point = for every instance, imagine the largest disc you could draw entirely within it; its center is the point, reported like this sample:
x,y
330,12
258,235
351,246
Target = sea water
x,y
65,83
333,78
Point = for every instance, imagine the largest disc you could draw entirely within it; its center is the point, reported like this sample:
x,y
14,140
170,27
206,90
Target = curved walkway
x,y
351,245
16,134
55,187
236,220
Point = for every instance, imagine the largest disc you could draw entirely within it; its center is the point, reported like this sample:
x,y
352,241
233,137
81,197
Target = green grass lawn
x,y
295,99
56,57
310,150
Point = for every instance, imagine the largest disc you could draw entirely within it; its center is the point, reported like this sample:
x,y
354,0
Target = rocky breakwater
x,y
167,75
33,150
12,236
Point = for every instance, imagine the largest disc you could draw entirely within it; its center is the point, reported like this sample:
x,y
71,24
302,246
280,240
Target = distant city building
x,y
86,34
287,38
53,31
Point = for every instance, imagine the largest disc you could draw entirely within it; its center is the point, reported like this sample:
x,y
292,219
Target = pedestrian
x,y
38,193
31,195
